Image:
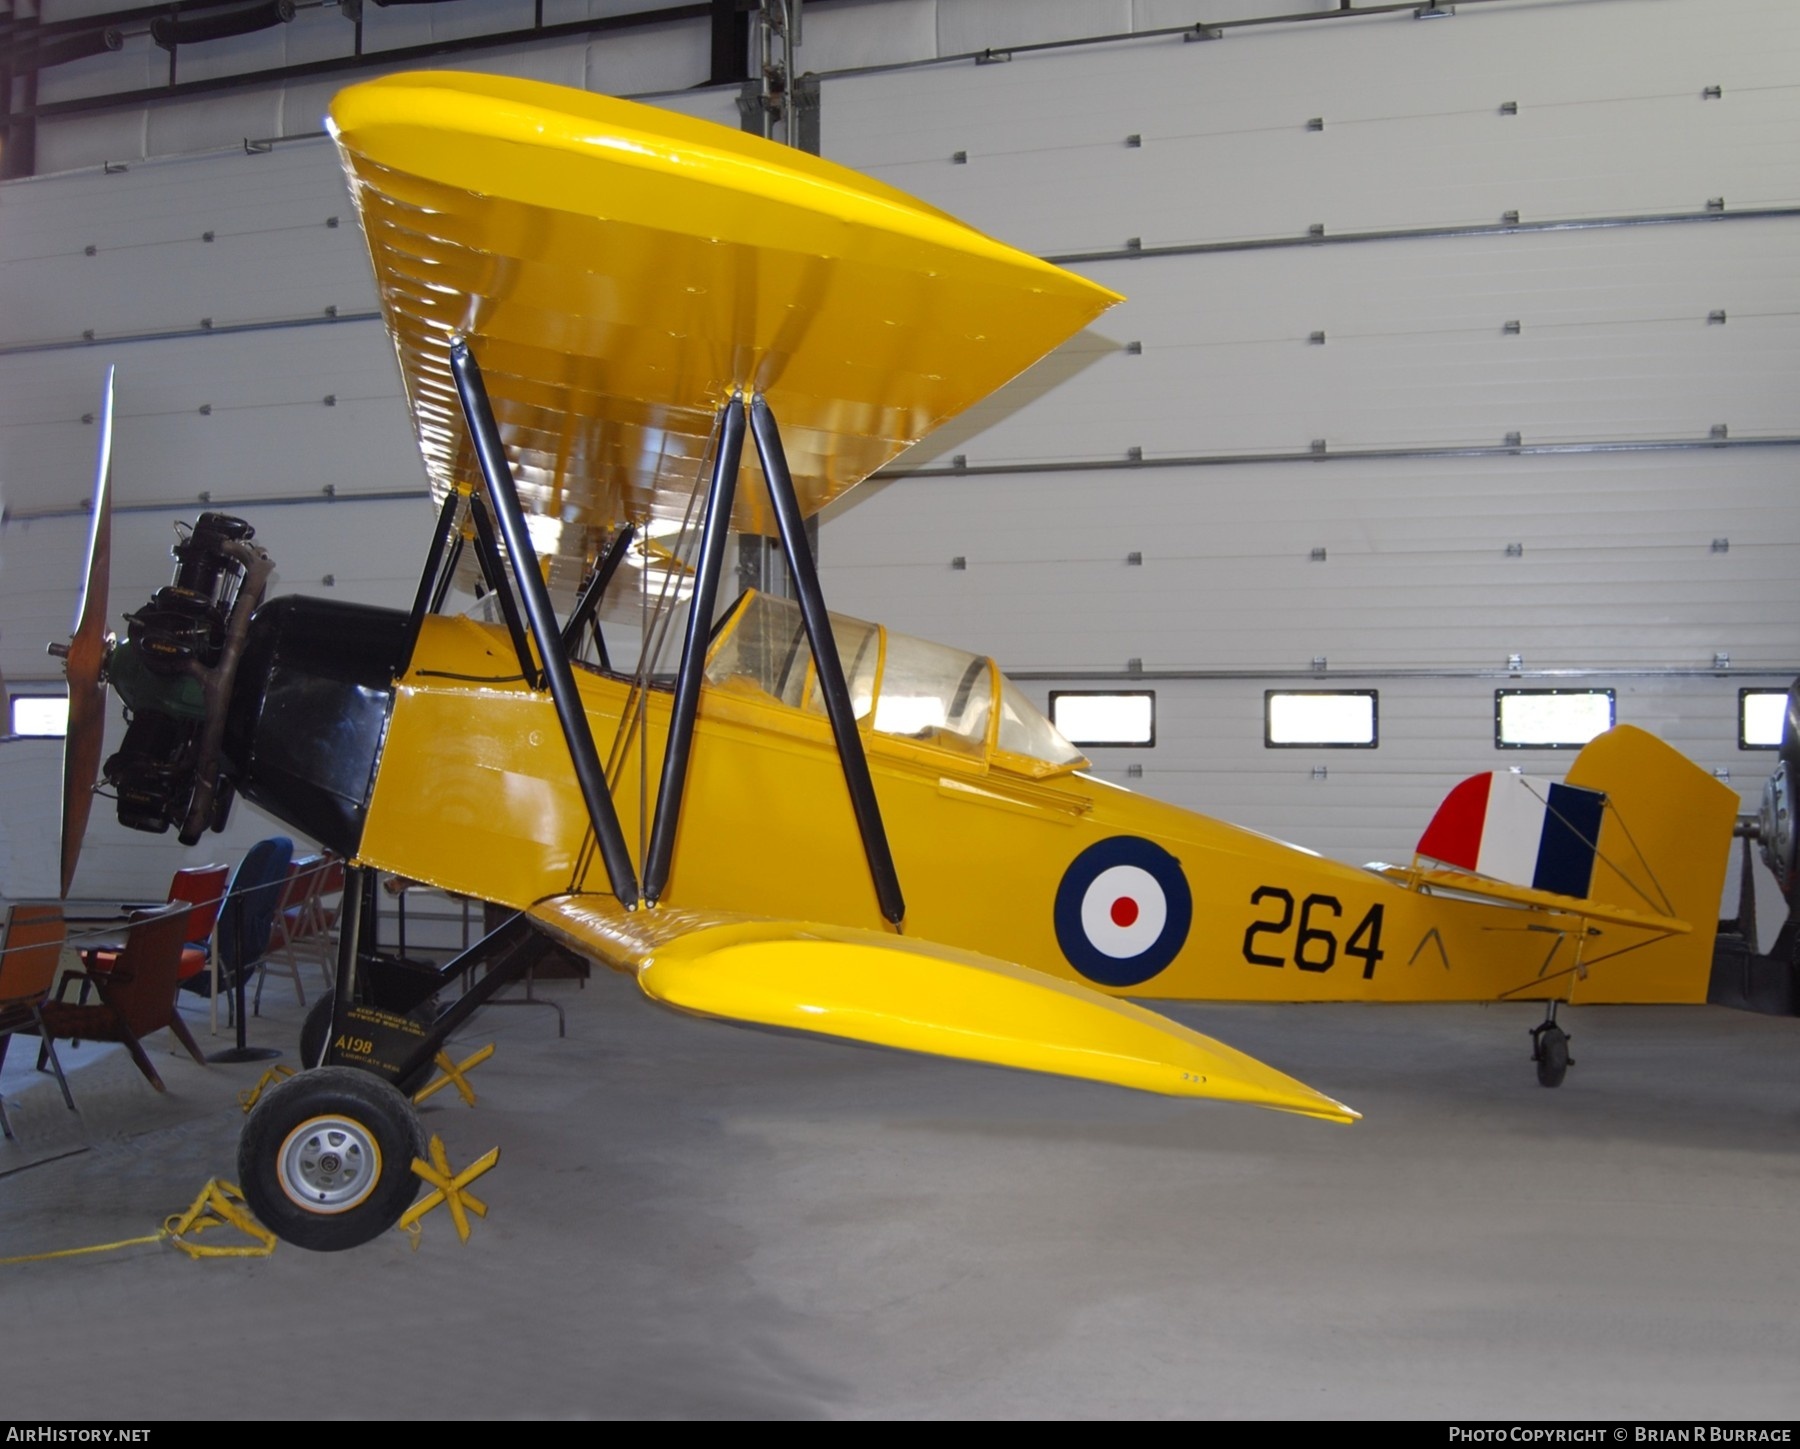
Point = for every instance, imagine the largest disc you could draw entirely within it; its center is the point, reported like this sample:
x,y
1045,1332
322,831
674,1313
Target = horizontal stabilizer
x,y
917,996
1465,883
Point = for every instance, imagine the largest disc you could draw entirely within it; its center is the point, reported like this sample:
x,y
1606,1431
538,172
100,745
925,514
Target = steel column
x,y
448,576
349,943
428,578
493,569
825,659
576,734
693,647
596,591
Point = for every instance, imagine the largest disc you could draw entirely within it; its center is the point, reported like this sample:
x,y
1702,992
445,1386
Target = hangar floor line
x,y
693,1220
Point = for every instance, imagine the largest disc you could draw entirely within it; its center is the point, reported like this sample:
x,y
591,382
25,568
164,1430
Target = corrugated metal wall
x,y
1566,112
223,394
656,57
1255,338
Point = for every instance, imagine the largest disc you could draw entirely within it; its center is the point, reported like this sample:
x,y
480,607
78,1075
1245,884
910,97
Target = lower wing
x,y
915,995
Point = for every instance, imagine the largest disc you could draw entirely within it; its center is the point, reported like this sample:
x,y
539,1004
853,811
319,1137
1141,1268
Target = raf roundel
x,y
1123,911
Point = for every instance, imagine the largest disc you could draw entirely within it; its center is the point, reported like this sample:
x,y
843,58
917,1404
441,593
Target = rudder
x,y
1665,844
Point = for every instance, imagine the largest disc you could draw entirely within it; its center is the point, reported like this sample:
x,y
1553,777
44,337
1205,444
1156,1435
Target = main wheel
x,y
325,1159
1552,1056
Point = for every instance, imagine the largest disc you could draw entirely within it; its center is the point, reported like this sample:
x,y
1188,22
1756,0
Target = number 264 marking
x,y
1316,942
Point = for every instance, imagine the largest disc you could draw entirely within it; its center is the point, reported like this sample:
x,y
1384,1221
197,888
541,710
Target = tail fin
x,y
1665,844
1638,832
1522,831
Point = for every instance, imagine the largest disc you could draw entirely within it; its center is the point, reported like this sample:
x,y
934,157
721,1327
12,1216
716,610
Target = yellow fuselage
x,y
475,794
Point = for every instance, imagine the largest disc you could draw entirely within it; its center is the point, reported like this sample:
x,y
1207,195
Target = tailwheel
x,y
1550,1050
325,1159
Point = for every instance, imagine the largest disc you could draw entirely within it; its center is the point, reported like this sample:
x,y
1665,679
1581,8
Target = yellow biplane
x,y
840,829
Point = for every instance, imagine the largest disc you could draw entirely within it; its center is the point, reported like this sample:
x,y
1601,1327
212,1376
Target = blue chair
x,y
247,919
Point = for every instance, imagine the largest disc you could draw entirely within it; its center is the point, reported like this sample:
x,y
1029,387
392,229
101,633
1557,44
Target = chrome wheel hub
x,y
329,1164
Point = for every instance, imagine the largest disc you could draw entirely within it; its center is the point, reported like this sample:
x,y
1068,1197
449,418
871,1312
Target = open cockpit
x,y
907,690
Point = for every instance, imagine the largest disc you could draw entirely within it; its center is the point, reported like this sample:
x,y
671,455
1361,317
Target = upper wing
x,y
619,270
898,992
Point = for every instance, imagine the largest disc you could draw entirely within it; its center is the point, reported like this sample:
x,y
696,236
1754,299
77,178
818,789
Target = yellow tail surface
x,y
1665,844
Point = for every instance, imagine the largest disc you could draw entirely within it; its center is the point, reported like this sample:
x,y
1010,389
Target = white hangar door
x,y
1460,355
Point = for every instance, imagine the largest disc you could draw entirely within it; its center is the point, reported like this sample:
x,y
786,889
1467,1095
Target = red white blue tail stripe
x,y
1522,831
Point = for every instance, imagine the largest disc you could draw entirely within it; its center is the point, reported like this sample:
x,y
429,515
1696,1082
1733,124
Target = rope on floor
x,y
220,1204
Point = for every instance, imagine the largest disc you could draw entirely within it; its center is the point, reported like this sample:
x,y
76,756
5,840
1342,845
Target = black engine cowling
x,y
285,703
309,712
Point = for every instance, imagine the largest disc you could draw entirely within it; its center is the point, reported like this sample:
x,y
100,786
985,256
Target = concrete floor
x,y
694,1220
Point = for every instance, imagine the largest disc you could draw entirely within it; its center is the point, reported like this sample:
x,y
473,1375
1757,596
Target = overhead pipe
x,y
330,318
1344,675
397,57
169,31
1335,455
53,50
1422,233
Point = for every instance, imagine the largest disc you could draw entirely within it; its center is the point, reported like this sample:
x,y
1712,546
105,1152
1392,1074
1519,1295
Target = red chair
x,y
29,956
203,887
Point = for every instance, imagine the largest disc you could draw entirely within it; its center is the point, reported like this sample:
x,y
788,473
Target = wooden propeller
x,y
84,660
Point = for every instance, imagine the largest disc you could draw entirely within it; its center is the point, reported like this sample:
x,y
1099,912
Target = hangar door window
x,y
1095,717
1760,713
39,716
1331,719
1550,719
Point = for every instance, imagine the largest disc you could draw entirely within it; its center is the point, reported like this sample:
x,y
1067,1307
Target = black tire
x,y
325,1159
316,1028
1552,1056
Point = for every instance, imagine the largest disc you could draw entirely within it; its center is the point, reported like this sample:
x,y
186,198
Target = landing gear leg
x,y
1550,1050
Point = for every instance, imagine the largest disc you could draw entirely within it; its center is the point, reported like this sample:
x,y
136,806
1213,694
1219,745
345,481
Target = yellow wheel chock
x,y
220,1204
453,1074
268,1079
447,1187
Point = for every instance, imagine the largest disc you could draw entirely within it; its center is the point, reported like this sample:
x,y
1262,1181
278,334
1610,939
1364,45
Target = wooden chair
x,y
135,998
29,956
